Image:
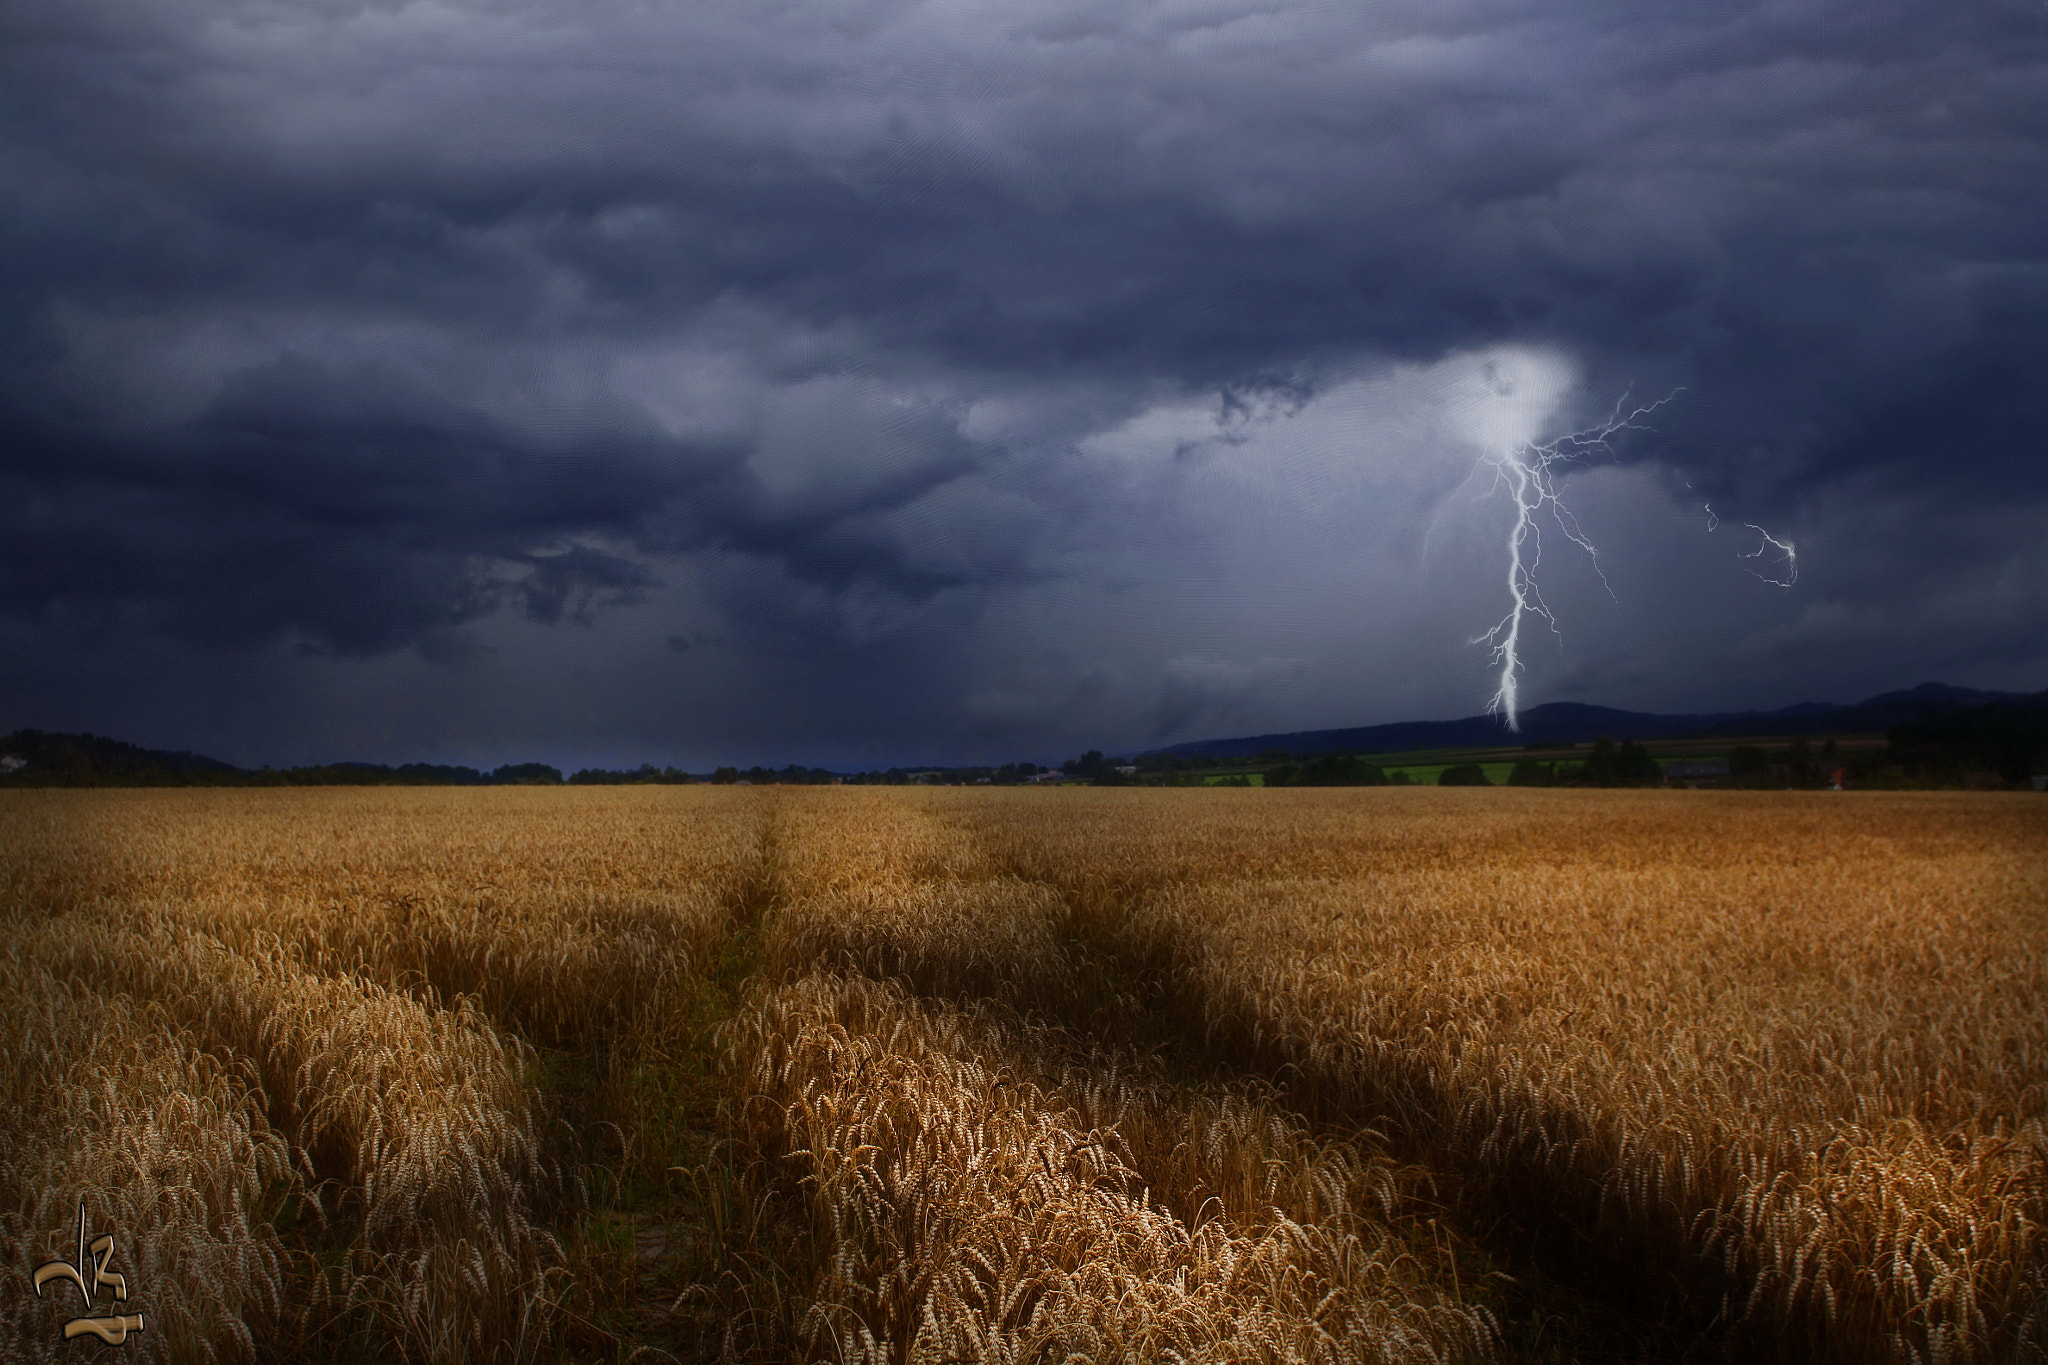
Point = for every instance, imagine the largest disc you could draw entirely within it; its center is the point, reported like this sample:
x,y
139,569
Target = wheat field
x,y
889,1074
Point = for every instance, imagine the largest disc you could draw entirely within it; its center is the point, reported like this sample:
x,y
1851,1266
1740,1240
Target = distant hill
x,y
1565,722
92,760
34,758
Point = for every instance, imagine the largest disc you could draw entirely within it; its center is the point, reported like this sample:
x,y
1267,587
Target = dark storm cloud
x,y
351,507
356,325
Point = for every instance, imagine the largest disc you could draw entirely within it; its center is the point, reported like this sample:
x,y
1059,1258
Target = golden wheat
x,y
1806,1039
368,966
978,1206
1785,1052
103,1104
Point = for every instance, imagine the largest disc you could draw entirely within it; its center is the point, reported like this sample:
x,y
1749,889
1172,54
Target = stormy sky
x,y
862,381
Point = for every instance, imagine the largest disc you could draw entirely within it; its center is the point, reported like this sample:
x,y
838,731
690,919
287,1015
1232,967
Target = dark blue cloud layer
x,y
314,315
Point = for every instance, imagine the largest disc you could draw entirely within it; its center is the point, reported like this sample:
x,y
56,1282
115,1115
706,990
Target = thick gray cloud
x,y
997,379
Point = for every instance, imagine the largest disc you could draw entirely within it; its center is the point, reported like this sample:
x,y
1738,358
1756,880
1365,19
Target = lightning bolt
x,y
1784,547
1791,556
1525,472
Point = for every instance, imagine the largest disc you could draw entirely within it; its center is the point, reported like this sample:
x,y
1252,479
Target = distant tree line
x,y
33,758
795,775
416,775
2004,744
645,773
1331,770
1607,764
2005,741
2000,745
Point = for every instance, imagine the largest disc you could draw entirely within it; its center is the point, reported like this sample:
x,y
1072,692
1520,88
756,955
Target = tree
x,y
1464,775
1804,768
528,774
1748,762
2009,739
1330,770
1628,765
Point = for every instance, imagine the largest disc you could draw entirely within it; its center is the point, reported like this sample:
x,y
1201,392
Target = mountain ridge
x,y
1566,722
37,758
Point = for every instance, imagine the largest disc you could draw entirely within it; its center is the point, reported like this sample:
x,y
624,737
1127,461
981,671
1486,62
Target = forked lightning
x,y
1784,548
1526,473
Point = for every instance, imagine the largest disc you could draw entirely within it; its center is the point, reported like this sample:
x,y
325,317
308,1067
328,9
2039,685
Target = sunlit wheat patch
x,y
888,1075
